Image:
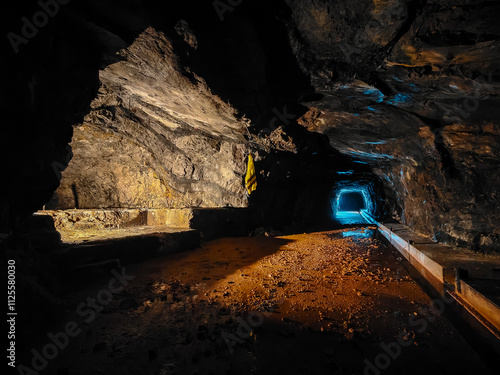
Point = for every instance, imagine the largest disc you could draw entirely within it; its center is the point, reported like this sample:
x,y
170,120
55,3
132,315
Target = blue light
x,y
349,217
352,217
362,233
401,99
376,94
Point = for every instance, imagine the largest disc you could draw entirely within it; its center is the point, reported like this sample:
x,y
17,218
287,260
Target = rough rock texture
x,y
412,89
155,137
402,93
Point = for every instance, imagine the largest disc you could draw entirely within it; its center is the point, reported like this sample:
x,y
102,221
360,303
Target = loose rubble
x,y
316,303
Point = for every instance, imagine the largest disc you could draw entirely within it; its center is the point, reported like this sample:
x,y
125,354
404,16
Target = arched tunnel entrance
x,y
351,201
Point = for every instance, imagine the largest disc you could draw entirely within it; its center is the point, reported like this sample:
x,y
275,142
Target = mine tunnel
x,y
351,201
251,187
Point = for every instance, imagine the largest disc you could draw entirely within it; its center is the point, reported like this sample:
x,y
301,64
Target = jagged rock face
x,y
412,89
155,137
408,90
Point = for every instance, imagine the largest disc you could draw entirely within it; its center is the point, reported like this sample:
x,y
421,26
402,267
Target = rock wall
x,y
411,88
155,137
404,91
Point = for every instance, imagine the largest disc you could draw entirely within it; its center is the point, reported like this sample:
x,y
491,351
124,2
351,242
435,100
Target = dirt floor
x,y
335,302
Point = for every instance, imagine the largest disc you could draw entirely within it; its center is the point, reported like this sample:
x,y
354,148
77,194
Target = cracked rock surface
x,y
411,88
162,102
155,137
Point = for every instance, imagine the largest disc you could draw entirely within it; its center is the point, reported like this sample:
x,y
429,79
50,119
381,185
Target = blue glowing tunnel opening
x,y
350,200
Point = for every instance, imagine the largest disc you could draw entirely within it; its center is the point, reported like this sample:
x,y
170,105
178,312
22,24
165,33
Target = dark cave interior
x,y
351,201
141,114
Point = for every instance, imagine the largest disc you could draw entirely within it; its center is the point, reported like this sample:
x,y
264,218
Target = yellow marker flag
x,y
250,178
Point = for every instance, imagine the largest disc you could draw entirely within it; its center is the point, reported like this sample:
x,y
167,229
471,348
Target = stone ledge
x,y
473,293
438,263
127,249
211,222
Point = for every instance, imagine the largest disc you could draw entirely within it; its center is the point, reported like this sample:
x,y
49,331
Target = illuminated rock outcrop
x,y
155,137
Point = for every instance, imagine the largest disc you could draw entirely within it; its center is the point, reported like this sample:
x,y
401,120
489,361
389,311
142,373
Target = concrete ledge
x,y
211,222
424,264
92,239
129,249
482,304
180,217
437,264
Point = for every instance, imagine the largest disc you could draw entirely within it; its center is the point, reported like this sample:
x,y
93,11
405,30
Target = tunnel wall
x,y
355,67
154,139
372,201
411,89
457,209
95,78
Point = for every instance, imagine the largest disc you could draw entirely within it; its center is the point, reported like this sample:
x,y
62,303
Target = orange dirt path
x,y
316,303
